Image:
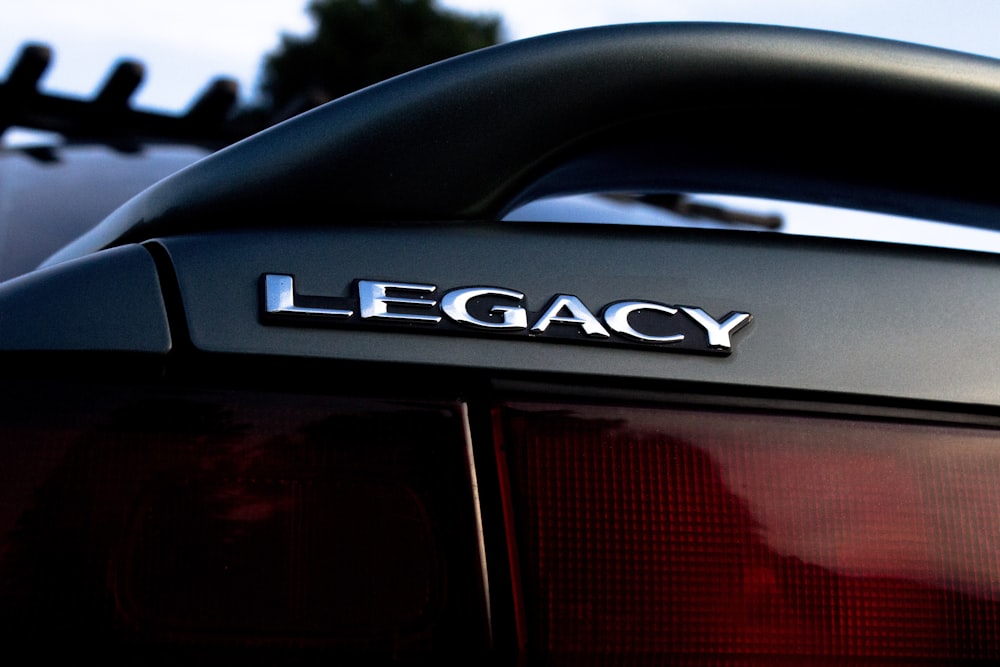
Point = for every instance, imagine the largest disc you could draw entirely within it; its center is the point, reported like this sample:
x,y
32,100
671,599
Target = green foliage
x,y
360,42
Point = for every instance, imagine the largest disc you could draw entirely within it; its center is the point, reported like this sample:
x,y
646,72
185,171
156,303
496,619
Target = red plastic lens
x,y
237,520
685,534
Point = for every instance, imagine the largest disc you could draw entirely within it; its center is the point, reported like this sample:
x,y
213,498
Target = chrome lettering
x,y
455,304
576,313
376,301
616,315
503,312
279,299
718,332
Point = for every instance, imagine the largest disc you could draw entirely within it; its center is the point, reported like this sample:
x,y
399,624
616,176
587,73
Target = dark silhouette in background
x,y
360,42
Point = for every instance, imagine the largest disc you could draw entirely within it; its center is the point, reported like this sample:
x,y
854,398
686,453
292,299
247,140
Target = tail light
x,y
268,527
665,535
238,523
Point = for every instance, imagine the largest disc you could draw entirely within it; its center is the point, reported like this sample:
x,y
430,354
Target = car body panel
x,y
832,316
110,301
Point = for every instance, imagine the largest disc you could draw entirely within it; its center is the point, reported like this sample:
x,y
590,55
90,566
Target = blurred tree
x,y
360,42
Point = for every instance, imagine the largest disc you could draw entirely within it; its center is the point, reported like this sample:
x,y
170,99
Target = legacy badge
x,y
503,312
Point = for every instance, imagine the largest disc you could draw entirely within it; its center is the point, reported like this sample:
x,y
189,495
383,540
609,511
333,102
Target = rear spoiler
x,y
733,109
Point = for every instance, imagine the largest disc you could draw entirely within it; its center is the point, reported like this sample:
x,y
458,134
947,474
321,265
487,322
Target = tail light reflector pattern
x,y
671,534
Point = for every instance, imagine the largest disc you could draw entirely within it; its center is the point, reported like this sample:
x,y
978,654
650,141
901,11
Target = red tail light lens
x,y
265,527
705,536
237,521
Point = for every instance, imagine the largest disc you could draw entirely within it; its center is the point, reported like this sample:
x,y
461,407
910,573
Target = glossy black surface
x,y
676,107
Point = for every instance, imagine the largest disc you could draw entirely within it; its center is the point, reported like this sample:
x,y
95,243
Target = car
x,y
321,395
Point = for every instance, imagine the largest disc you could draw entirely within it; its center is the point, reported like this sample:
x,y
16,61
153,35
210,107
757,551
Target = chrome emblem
x,y
503,312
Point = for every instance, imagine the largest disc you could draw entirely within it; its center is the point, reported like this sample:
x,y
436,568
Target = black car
x,y
315,398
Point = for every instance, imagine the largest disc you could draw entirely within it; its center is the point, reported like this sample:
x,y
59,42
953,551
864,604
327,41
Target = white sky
x,y
184,43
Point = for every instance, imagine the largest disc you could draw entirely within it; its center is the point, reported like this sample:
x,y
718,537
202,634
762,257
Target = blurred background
x,y
184,43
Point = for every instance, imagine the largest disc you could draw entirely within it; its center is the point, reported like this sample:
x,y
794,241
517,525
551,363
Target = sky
x,y
185,43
